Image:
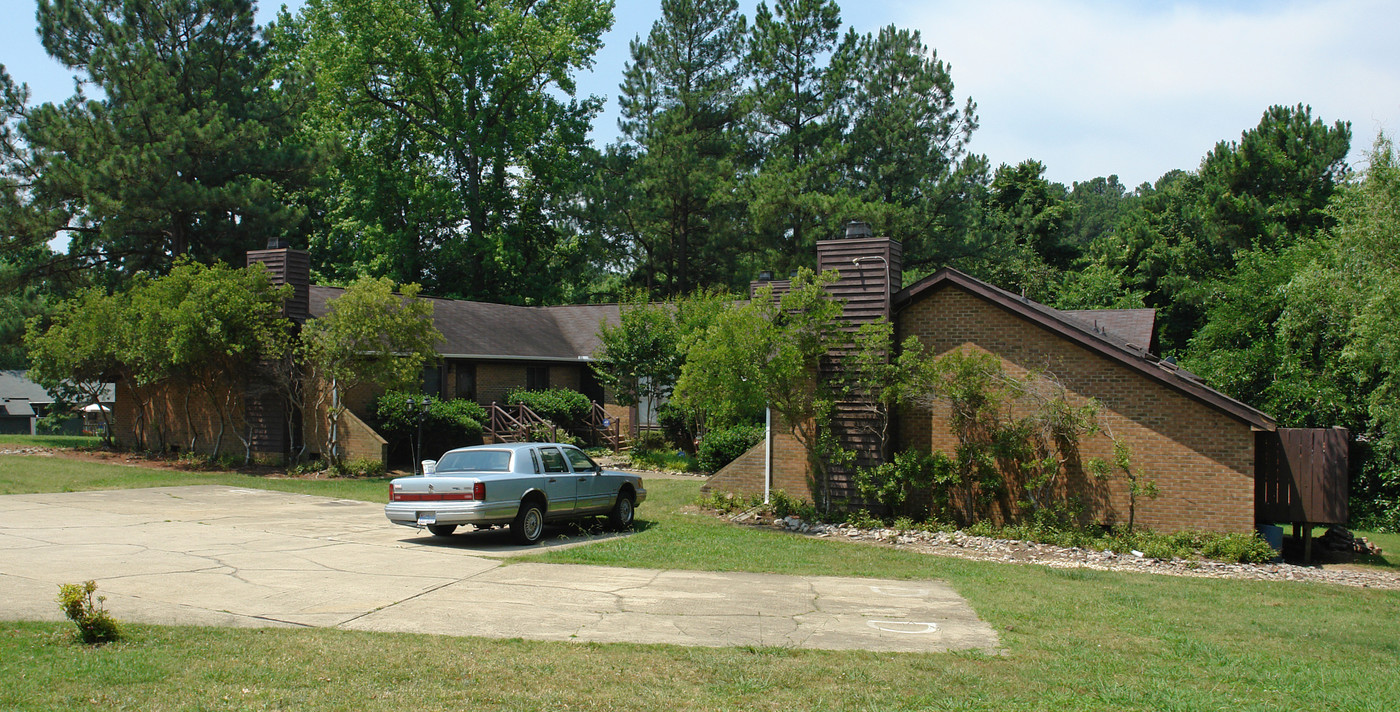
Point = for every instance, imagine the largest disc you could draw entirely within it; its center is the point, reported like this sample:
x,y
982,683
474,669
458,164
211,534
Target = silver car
x,y
520,484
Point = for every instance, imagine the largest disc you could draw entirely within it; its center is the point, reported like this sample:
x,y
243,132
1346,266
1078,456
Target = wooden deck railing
x,y
518,423
513,423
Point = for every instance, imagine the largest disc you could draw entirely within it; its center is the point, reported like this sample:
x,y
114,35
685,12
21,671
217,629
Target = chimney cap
x,y
765,275
277,243
858,228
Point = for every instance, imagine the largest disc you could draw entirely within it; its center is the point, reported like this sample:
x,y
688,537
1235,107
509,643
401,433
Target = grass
x,y
54,441
1075,639
25,474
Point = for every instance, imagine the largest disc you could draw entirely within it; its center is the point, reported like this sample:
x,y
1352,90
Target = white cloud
x,y
1138,88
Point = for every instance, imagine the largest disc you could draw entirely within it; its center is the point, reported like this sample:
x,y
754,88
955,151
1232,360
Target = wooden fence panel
x,y
1301,475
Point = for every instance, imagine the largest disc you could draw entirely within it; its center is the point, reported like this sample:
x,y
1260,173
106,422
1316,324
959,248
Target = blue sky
x,y
1088,87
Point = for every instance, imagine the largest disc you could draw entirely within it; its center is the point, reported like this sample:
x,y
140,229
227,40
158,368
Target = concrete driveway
x,y
214,555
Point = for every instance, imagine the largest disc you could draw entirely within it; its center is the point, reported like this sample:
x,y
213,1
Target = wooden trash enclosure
x,y
1300,475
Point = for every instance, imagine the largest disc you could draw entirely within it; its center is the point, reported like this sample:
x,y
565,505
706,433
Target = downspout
x,y
767,453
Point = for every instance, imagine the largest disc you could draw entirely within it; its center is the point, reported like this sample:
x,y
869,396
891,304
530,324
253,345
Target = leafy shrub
x,y
360,467
1235,548
728,502
863,519
905,485
678,424
1243,548
650,441
549,432
721,447
95,625
559,405
666,460
785,505
447,424
308,467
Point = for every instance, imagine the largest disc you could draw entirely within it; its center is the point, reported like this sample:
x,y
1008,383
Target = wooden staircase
x,y
515,423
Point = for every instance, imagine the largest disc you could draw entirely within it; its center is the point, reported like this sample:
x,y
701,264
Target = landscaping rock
x,y
965,546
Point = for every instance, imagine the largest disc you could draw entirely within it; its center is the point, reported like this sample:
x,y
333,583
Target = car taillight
x,y
478,493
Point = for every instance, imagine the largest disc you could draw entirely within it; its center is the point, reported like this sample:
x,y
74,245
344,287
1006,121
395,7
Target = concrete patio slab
x,y
227,556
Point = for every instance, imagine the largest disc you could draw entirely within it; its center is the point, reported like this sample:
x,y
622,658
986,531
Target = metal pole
x,y
767,453
418,459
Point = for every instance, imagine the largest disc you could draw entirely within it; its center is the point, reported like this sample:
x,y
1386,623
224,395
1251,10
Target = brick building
x,y
1197,444
487,351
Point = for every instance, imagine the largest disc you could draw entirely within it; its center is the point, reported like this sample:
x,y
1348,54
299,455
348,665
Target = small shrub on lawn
x,y
721,447
729,502
1235,548
95,625
309,467
650,441
862,519
785,505
360,467
668,461
1243,548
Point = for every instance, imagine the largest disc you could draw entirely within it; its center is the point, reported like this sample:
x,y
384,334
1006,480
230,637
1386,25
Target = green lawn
x,y
1074,639
63,441
21,474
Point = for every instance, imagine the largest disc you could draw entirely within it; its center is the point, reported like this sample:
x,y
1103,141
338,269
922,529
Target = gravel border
x,y
978,548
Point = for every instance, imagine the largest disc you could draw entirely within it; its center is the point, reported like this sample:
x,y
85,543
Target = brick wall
x,y
745,474
358,441
168,419
1201,459
495,380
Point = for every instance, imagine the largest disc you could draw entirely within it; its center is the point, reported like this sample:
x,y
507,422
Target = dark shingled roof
x,y
15,384
485,330
1105,341
1131,325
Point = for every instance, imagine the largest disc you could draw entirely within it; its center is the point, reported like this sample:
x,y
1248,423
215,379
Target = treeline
x,y
444,144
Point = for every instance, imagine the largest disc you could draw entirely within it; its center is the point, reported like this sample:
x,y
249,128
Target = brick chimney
x,y
871,269
288,266
266,411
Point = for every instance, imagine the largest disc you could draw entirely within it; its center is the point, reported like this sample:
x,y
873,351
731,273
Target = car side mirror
x,y
429,467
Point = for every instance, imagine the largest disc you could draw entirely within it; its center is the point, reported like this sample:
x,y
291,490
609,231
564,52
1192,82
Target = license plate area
x,y
427,518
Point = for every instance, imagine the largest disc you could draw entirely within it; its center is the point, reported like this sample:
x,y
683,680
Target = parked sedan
x,y
523,485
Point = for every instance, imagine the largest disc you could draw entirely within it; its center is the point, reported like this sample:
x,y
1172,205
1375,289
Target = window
x,y
475,461
466,381
553,461
536,378
432,381
580,461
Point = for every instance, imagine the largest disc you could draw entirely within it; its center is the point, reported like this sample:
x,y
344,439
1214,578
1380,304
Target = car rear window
x,y
475,461
553,461
580,461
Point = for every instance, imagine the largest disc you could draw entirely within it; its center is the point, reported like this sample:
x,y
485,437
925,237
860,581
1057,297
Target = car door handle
x,y
554,479
583,479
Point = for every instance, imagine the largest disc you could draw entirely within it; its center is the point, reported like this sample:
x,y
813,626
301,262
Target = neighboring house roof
x,y
1129,350
14,385
505,331
1132,325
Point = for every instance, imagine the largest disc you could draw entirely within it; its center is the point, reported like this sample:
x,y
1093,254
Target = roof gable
x,y
1098,338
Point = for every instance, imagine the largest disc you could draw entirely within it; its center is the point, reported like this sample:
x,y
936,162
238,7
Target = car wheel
x,y
528,527
442,529
622,512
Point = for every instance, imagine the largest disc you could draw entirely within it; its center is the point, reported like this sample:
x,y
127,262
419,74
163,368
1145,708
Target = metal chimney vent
x,y
858,228
277,243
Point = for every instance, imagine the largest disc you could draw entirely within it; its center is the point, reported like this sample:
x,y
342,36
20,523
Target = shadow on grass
x,y
499,539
